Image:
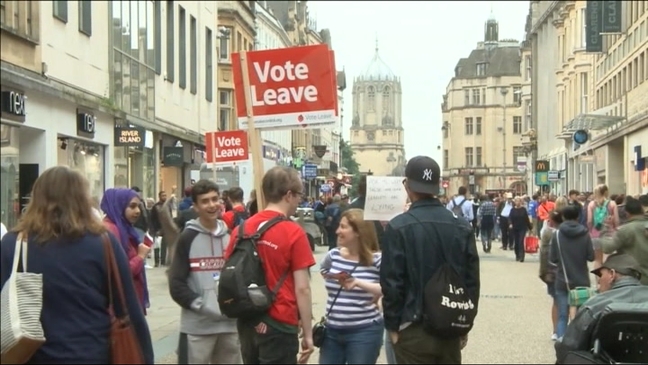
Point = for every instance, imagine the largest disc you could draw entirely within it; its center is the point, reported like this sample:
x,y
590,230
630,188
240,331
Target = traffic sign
x,y
309,171
542,178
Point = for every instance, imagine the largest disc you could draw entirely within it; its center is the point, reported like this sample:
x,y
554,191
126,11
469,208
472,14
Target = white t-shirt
x,y
3,230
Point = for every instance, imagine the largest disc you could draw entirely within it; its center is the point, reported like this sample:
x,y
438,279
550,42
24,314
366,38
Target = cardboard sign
x,y
288,88
229,146
385,199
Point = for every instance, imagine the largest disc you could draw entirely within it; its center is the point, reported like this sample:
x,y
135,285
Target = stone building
x,y
602,93
377,133
482,118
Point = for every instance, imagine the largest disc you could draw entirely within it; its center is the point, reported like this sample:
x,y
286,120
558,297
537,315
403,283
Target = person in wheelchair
x,y
619,283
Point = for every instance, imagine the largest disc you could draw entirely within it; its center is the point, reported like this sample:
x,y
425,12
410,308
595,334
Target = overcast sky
x,y
421,41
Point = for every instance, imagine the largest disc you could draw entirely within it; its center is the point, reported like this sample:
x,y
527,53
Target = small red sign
x,y
229,146
289,87
445,184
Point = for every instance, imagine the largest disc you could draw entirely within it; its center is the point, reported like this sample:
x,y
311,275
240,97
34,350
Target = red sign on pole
x,y
289,87
229,146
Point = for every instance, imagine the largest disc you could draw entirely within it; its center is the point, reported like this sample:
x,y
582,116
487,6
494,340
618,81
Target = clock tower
x,y
377,133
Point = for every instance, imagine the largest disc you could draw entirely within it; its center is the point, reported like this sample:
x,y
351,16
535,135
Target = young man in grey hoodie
x,y
206,336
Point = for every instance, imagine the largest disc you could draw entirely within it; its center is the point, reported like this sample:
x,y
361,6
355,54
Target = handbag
x,y
580,294
319,328
22,302
124,345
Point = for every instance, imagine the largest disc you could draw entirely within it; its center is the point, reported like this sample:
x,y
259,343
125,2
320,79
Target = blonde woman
x,y
354,323
602,220
560,203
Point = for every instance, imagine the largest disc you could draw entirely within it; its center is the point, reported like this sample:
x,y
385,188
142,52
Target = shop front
x,y
135,158
177,162
12,116
82,152
637,162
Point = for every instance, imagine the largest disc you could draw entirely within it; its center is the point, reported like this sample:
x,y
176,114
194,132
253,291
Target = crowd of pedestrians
x,y
411,284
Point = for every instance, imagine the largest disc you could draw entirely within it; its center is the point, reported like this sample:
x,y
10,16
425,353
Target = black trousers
x,y
415,346
507,237
263,344
160,253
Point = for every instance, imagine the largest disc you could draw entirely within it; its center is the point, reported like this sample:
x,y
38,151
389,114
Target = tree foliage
x,y
350,164
347,158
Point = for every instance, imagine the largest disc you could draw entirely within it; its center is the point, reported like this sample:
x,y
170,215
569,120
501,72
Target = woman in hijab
x,y
121,207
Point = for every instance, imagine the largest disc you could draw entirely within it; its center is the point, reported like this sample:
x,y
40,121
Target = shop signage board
x,y
289,87
309,171
594,26
284,88
611,14
228,146
130,136
86,123
13,105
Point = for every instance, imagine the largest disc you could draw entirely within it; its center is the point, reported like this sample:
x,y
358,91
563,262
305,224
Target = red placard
x,y
229,146
289,87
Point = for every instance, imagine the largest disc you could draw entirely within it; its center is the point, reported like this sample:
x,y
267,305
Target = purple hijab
x,y
114,203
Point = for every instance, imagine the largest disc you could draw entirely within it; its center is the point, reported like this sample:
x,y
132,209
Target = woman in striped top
x,y
354,324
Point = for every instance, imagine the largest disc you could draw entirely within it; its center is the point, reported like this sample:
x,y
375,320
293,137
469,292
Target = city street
x,y
513,325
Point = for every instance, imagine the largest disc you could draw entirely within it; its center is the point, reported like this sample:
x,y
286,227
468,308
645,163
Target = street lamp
x,y
504,91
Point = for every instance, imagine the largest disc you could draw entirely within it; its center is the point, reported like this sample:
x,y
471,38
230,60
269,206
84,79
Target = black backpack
x,y
448,311
242,289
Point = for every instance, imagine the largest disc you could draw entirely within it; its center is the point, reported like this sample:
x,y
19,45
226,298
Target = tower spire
x,y
376,42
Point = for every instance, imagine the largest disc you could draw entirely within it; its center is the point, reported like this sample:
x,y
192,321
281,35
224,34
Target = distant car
x,y
306,219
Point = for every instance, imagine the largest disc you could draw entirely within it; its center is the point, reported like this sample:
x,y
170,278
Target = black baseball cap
x,y
423,175
622,263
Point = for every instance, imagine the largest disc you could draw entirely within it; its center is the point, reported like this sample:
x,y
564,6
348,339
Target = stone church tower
x,y
377,133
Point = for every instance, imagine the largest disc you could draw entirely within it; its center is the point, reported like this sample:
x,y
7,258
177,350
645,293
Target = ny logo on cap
x,y
427,174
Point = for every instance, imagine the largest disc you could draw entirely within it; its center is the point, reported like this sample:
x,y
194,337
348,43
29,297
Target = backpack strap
x,y
462,202
256,236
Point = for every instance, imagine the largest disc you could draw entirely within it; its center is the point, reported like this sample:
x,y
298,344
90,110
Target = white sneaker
x,y
147,266
554,337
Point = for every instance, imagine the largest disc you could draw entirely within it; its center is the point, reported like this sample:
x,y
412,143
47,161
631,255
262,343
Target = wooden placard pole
x,y
213,138
253,133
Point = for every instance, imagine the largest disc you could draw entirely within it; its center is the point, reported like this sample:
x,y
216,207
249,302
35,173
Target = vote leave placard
x,y
230,146
289,87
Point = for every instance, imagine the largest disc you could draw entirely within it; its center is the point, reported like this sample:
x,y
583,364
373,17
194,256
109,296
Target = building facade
x,y
55,81
184,76
602,94
377,134
483,119
237,32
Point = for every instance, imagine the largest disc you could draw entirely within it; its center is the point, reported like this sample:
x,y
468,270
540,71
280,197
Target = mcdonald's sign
x,y
541,166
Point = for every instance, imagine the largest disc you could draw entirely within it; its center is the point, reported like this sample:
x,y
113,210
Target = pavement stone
x,y
513,325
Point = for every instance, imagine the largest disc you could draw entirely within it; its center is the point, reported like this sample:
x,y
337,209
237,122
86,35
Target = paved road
x,y
513,325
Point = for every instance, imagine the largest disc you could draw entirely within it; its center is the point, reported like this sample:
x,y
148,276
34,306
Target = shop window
x,y
88,158
9,165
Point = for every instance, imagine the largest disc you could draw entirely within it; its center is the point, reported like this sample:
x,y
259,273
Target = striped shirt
x,y
354,308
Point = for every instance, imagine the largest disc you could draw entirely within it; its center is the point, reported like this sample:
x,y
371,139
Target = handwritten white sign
x,y
385,199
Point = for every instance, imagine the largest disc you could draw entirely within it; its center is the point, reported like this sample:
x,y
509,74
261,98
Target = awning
x,y
594,121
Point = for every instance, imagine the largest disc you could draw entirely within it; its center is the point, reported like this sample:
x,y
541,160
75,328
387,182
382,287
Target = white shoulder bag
x,y
21,303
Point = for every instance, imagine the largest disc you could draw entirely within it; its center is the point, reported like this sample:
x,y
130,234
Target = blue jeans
x,y
389,350
562,301
352,346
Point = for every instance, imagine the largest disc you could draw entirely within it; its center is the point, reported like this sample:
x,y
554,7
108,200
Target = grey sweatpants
x,y
223,348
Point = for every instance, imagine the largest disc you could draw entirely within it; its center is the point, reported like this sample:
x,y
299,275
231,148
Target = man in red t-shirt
x,y
274,338
238,209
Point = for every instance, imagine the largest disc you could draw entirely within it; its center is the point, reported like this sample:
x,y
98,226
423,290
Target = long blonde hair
x,y
560,203
367,237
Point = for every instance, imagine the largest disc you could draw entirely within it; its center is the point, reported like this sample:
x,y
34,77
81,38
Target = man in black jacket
x,y
415,245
